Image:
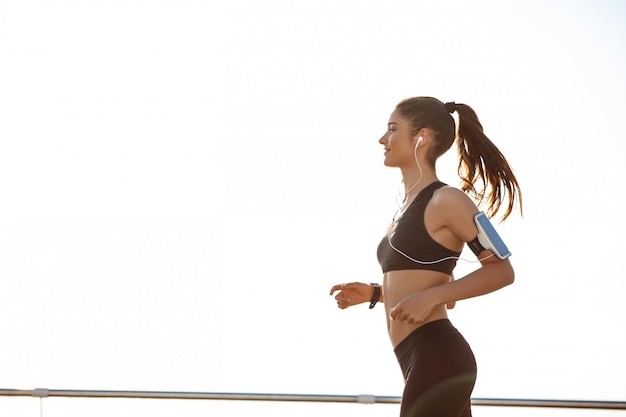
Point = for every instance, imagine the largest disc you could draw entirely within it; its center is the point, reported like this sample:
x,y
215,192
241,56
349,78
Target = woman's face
x,y
398,141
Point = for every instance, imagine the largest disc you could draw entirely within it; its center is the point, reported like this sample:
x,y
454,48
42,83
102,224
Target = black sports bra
x,y
409,236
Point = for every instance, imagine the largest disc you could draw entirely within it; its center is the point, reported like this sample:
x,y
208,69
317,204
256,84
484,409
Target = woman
x,y
421,247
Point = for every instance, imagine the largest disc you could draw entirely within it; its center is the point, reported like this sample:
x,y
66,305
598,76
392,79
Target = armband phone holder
x,y
488,237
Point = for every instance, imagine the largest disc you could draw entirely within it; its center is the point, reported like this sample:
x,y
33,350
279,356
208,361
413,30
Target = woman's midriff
x,y
399,284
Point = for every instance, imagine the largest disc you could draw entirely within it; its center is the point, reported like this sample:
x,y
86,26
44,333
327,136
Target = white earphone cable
x,y
438,260
402,208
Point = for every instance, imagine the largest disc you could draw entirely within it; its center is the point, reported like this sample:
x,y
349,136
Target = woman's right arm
x,y
354,293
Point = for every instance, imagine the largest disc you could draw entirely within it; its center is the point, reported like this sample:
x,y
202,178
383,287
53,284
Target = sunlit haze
x,y
182,182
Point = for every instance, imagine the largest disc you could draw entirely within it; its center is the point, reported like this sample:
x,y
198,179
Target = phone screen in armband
x,y
489,237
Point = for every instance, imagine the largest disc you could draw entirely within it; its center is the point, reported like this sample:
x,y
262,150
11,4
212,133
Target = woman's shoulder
x,y
449,198
455,211
448,194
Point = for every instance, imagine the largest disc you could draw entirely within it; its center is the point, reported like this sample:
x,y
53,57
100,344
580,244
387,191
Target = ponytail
x,y
481,160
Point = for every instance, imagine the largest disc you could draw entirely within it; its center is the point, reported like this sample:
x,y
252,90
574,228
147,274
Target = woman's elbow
x,y
510,278
508,274
502,273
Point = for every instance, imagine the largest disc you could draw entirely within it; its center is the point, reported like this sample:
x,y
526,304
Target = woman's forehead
x,y
396,118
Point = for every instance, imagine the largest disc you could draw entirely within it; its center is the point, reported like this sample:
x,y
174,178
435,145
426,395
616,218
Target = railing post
x,y
41,392
366,399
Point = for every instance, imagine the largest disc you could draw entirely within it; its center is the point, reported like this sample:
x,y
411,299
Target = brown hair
x,y
480,159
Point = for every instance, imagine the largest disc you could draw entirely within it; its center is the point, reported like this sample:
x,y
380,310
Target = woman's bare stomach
x,y
399,284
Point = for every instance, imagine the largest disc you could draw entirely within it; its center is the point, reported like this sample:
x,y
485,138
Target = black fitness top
x,y
409,235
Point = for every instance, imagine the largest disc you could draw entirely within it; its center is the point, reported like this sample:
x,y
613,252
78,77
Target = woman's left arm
x,y
491,276
457,212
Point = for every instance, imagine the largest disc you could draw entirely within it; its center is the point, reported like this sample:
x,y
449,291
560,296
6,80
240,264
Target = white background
x,y
181,183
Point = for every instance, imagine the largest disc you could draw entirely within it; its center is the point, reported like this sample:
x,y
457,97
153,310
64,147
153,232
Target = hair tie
x,y
450,107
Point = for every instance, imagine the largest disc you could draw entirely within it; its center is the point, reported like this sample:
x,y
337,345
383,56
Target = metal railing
x,y
364,399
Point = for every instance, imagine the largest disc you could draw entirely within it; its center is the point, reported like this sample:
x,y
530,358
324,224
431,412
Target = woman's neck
x,y
415,181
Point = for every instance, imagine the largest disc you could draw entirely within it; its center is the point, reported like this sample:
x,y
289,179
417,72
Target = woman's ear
x,y
423,136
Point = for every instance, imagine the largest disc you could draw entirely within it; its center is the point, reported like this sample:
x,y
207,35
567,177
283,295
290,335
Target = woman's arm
x,y
457,214
354,293
493,275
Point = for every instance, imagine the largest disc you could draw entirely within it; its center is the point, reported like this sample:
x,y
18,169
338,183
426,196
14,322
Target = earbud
x,y
419,139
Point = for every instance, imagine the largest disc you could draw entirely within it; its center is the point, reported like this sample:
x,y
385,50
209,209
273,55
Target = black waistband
x,y
424,332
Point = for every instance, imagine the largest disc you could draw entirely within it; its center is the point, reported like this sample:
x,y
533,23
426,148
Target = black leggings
x,y
439,372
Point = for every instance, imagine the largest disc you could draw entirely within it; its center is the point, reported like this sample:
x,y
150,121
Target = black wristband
x,y
375,295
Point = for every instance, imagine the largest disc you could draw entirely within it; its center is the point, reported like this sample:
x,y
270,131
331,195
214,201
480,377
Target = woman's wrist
x,y
377,291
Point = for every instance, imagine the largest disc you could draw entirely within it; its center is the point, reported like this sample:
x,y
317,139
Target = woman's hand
x,y
413,309
352,294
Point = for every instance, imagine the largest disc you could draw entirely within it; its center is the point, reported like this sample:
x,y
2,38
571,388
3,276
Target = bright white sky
x,y
183,181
